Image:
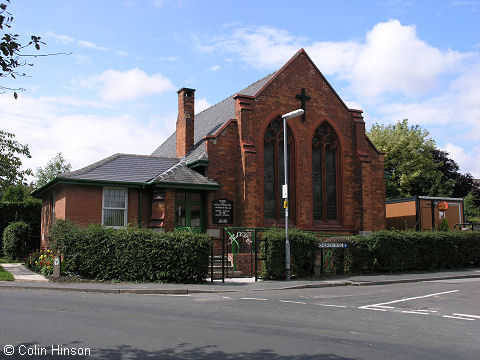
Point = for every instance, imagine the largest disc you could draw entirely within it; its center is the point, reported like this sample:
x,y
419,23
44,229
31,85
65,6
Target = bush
x,y
388,251
302,246
41,261
28,211
133,254
15,238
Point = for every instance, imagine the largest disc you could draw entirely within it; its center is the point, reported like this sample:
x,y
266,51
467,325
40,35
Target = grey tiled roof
x,y
128,168
210,120
182,174
123,168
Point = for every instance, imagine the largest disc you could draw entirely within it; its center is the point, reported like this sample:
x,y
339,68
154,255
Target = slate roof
x,y
138,169
123,168
181,174
208,122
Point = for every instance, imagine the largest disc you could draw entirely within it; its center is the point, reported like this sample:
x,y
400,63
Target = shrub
x,y
28,211
41,261
388,251
133,254
15,239
302,246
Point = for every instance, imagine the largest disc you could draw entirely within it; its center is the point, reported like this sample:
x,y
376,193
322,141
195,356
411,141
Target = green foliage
x,y
390,251
302,246
5,275
472,211
57,165
28,211
132,254
17,193
41,261
408,158
10,162
444,225
15,240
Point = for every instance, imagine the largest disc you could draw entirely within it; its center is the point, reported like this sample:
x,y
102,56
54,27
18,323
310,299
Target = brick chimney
x,y
185,121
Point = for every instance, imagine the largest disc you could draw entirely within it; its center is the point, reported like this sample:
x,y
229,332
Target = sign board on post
x,y
332,245
56,267
222,211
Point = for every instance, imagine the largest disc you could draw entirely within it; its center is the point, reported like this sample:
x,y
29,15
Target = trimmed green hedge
x,y
302,246
387,251
383,251
28,211
133,254
15,240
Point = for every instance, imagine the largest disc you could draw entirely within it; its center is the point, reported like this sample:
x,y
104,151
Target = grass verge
x,y
5,260
5,275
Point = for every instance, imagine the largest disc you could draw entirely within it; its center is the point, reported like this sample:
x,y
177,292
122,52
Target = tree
x,y
462,184
10,162
16,193
11,50
408,160
57,165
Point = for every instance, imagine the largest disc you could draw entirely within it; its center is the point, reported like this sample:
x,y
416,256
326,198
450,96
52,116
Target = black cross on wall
x,y
304,97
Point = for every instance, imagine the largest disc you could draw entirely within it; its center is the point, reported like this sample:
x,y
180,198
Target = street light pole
x,y
285,117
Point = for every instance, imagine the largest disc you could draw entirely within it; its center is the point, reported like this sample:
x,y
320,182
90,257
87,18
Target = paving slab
x,y
21,273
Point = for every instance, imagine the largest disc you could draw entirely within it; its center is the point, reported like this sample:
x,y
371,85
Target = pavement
x,y
26,279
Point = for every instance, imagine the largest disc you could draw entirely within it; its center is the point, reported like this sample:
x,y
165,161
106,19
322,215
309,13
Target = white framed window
x,y
115,205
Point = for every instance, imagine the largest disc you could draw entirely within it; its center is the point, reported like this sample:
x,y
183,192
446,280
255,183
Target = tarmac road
x,y
425,320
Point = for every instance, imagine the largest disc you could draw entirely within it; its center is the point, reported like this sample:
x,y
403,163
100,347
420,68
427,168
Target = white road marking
x,y
226,297
293,302
415,312
339,306
250,298
457,317
380,305
467,315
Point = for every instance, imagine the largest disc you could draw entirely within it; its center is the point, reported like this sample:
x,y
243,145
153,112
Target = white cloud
x,y
214,68
394,59
64,39
391,59
51,125
115,86
91,45
201,104
465,158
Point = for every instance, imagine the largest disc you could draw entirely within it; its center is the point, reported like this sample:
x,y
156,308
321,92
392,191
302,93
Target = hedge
x,y
15,240
387,251
133,254
383,251
28,211
302,246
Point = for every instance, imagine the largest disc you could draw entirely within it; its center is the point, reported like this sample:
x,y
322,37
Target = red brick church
x,y
224,166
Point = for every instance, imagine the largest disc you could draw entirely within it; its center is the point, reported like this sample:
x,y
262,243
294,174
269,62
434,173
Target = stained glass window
x,y
273,170
324,173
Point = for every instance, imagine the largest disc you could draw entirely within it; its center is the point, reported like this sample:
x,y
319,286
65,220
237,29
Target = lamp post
x,y
285,117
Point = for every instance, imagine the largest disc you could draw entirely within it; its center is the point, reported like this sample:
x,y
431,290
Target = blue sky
x,y
116,92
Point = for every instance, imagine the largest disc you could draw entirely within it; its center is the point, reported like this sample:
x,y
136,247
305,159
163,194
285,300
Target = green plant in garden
x,y
41,261
5,275
15,239
444,225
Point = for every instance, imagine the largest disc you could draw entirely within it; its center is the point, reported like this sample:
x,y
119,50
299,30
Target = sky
x,y
115,90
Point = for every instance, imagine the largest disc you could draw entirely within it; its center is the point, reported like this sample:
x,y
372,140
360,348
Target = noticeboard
x,y
222,211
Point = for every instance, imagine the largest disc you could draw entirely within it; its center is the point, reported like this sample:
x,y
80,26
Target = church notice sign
x,y
222,211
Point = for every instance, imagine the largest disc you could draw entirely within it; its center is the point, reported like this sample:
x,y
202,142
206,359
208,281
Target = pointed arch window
x,y
325,150
273,171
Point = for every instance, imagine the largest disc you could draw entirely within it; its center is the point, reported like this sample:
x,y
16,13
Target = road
x,y
427,320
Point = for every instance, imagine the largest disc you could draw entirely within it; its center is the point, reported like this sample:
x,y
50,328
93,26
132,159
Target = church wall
x,y
279,97
224,167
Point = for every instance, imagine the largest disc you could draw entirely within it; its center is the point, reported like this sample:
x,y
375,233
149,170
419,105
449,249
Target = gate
x,y
241,255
